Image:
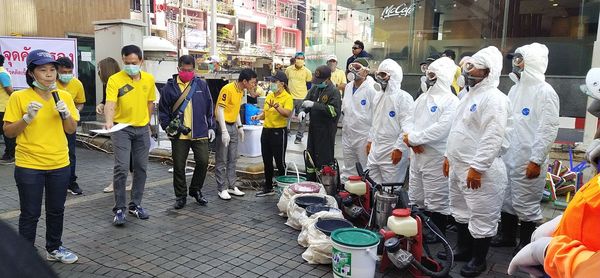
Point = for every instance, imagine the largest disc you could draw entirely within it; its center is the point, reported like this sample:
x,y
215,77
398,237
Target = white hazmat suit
x,y
356,107
391,118
476,140
535,107
432,118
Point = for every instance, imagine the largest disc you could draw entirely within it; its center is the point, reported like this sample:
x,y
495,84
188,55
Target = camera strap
x,y
185,98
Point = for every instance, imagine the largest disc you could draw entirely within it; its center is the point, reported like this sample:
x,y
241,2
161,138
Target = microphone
x,y
56,99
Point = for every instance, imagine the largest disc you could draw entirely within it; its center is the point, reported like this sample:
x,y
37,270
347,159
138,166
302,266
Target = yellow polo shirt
x,y
131,97
338,77
272,118
297,79
230,98
42,145
75,88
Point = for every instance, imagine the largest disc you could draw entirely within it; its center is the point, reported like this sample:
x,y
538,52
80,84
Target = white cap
x,y
331,57
213,59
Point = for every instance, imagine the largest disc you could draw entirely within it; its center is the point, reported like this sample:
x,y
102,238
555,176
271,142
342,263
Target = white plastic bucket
x,y
354,253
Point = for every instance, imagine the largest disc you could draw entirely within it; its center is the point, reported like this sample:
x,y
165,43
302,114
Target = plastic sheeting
x,y
285,198
297,214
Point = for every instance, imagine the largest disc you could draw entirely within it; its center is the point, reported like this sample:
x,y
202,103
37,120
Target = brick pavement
x,y
239,238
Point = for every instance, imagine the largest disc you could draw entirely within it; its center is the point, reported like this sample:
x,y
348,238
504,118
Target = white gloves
x,y
61,107
32,110
211,135
593,152
100,109
531,258
301,115
225,138
241,133
546,229
308,103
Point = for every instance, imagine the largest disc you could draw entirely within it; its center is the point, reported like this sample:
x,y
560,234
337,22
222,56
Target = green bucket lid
x,y
354,237
289,179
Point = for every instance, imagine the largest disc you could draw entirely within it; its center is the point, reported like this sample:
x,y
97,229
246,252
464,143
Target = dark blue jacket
x,y
202,106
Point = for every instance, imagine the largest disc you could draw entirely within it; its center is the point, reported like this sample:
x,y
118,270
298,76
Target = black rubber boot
x,y
507,231
464,244
525,232
477,265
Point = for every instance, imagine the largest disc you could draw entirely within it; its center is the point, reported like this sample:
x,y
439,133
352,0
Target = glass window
x,y
289,40
262,5
288,10
135,5
265,35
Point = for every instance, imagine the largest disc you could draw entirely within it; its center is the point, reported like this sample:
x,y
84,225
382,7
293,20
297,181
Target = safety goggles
x,y
430,75
424,68
356,67
517,60
382,75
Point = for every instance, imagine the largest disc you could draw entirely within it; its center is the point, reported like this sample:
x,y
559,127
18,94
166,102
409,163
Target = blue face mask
x,y
273,87
132,70
65,78
322,85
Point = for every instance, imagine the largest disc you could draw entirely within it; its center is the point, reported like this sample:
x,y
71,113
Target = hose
x,y
446,264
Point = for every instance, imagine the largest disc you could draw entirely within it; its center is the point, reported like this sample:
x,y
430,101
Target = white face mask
x,y
351,76
461,81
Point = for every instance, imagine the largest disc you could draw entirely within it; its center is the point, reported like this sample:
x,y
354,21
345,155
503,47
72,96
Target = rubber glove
x,y
396,156
446,167
32,110
368,149
241,133
593,152
473,179
308,103
546,229
100,109
533,170
211,135
301,115
61,107
225,138
530,258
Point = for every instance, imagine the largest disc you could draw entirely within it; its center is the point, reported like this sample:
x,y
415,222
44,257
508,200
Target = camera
x,y
176,127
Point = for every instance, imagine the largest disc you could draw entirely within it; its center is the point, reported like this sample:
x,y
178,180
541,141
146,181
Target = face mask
x,y
65,78
211,67
380,84
186,76
322,85
132,70
430,82
273,87
350,76
332,66
515,75
473,80
44,88
299,63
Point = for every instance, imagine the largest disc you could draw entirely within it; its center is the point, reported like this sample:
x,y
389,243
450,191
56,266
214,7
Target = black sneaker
x,y
199,198
139,212
119,219
7,159
74,189
264,193
180,202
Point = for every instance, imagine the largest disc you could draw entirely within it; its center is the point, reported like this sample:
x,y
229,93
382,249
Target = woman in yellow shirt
x,y
273,140
39,117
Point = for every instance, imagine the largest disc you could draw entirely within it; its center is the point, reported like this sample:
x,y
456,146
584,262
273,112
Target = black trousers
x,y
10,143
273,143
180,150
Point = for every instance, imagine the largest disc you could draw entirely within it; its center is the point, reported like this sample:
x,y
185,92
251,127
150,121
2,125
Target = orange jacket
x,y
575,247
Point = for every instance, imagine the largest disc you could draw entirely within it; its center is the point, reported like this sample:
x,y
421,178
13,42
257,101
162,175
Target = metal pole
x,y
213,27
145,17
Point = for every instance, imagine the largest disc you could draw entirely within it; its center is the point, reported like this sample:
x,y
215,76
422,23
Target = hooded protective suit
x,y
534,108
432,119
391,118
476,140
356,107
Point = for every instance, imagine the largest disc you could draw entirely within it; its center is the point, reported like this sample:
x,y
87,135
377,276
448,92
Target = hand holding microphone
x,y
61,106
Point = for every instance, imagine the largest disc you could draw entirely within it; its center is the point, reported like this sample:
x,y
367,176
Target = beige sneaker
x,y
128,187
109,188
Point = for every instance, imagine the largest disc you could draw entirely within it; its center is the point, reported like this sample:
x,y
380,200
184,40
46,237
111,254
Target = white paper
x,y
116,127
86,56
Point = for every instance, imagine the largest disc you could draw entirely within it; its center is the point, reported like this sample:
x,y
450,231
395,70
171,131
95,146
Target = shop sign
x,y
402,10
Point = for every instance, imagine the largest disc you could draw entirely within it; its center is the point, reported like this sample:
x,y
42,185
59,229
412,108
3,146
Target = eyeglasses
x,y
517,60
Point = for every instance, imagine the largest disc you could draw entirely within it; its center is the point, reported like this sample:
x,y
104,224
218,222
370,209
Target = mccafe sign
x,y
401,10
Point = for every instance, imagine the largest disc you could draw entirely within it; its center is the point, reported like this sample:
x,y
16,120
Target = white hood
x,y
395,72
491,58
535,57
444,68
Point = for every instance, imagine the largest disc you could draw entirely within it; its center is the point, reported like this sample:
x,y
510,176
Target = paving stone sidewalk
x,y
243,237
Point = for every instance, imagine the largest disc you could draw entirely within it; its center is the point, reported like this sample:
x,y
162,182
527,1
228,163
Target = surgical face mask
x,y
44,88
299,63
186,76
65,78
322,85
211,67
132,70
332,65
273,87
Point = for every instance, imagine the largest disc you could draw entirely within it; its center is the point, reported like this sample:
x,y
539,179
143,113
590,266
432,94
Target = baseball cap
x,y
430,59
332,57
40,57
279,76
299,54
321,74
362,61
213,59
